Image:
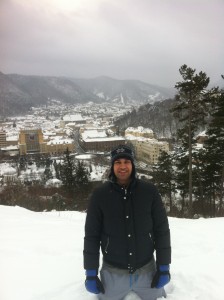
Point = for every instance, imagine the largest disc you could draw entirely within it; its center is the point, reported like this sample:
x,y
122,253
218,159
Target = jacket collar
x,y
119,187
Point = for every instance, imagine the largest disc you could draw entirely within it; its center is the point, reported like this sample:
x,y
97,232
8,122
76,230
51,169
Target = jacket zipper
x,y
107,245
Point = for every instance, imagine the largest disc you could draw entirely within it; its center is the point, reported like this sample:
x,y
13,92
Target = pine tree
x,y
215,152
58,202
163,175
67,172
47,174
190,110
57,168
81,174
22,163
181,176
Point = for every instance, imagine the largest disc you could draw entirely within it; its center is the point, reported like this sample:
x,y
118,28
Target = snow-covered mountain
x,y
19,92
124,91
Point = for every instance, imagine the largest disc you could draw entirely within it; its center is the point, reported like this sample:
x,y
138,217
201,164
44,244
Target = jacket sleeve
x,y
92,237
161,230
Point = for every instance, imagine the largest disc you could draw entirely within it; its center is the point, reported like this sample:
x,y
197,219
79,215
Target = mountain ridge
x,y
20,92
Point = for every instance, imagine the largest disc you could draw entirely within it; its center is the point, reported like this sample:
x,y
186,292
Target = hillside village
x,y
82,129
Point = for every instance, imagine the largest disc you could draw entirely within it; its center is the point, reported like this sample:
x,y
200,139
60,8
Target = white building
x,y
9,175
139,132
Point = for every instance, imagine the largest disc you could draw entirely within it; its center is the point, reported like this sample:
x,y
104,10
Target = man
x,y
127,220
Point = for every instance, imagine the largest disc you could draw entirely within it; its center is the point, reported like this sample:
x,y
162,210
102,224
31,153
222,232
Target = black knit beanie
x,y
122,151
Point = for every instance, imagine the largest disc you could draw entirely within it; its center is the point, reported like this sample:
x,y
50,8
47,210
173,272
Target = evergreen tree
x,y
81,174
22,163
181,177
199,181
47,174
190,110
59,202
57,168
67,171
163,175
214,146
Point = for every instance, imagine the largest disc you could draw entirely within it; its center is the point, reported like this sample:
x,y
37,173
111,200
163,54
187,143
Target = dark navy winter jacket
x,y
128,224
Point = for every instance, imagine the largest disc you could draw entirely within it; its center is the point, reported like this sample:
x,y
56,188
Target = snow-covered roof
x,y
84,156
90,134
59,140
53,182
11,147
12,138
139,129
202,133
73,118
104,139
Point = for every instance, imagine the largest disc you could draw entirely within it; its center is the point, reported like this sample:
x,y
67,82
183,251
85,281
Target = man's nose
x,y
122,165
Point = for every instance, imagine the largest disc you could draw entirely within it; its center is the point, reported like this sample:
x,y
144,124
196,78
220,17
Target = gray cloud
x,y
146,39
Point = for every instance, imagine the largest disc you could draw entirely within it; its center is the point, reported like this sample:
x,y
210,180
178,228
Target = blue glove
x,y
92,282
162,276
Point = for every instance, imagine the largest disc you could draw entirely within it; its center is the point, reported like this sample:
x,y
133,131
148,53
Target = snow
x,y
6,168
41,257
59,140
139,129
33,172
88,134
11,147
73,118
53,182
84,156
100,95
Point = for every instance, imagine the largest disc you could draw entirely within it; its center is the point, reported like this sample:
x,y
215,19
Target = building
x,y
140,132
72,119
60,145
102,144
147,148
3,142
12,140
31,141
10,175
99,141
10,150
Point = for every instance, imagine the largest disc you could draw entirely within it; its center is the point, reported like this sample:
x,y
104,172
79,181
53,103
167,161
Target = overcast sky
x,y
146,40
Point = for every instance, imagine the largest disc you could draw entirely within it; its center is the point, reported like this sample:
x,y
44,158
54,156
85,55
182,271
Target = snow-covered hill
x,y
41,257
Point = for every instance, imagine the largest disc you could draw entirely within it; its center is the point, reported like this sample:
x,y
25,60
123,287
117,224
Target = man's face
x,y
123,170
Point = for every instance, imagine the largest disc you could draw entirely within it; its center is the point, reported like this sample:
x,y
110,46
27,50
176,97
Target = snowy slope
x,y
41,257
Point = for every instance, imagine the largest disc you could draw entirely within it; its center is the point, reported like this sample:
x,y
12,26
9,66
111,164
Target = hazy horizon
x,y
146,40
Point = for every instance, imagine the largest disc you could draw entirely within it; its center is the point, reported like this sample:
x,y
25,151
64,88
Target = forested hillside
x,y
157,117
